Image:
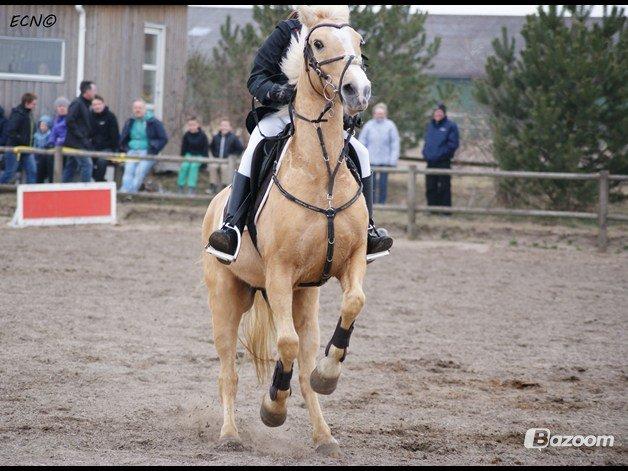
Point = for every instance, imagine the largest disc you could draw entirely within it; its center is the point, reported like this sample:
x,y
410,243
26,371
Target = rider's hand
x,y
281,94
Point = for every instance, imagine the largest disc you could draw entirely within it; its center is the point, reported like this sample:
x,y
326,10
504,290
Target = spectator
x,y
3,138
106,135
3,126
20,129
380,136
224,144
142,134
45,163
441,142
80,133
195,143
59,130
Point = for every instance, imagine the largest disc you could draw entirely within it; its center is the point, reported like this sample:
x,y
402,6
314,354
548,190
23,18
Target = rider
x,y
270,86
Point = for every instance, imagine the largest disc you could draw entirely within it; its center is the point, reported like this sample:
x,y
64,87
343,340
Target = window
x,y
153,68
39,59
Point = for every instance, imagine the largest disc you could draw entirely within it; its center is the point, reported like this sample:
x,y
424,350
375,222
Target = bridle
x,y
326,82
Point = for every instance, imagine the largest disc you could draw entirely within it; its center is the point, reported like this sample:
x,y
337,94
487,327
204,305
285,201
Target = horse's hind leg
x,y
229,299
325,377
274,408
305,311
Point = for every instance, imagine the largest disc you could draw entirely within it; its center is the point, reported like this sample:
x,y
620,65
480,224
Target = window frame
x,y
36,77
158,68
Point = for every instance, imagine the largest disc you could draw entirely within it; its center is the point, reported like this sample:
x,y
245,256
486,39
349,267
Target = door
x,y
153,68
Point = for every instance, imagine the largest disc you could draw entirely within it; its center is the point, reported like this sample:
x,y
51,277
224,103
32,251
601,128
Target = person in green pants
x,y
194,144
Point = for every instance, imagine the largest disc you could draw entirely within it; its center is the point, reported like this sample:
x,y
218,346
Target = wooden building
x,y
128,51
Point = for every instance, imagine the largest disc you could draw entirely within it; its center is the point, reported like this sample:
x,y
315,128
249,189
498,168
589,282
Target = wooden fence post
x,y
602,212
231,168
411,230
58,165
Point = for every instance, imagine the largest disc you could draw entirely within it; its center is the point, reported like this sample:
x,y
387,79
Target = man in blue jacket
x,y
441,142
142,134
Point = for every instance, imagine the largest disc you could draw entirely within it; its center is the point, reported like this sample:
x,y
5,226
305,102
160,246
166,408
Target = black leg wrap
x,y
340,339
281,380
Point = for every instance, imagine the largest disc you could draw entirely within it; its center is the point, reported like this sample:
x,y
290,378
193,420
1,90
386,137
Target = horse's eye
x,y
318,44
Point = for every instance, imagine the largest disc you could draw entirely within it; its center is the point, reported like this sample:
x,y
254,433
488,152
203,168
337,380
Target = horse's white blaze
x,y
344,36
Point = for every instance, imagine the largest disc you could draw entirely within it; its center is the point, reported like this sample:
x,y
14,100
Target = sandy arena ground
x,y
463,345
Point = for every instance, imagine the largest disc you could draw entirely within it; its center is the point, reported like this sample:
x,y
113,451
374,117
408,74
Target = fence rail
x,y
410,208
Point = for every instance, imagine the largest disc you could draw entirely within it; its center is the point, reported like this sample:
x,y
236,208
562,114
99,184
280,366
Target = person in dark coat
x,y
19,131
193,144
80,133
3,125
224,144
441,142
142,134
3,137
106,135
270,86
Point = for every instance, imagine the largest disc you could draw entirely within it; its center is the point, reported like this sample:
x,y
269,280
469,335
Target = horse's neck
x,y
306,143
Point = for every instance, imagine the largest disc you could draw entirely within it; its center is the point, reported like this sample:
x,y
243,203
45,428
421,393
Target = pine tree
x,y
561,105
396,44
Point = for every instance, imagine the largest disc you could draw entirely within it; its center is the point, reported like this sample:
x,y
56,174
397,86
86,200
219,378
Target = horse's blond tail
x,y
260,335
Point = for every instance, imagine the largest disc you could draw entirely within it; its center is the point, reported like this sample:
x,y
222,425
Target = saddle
x,y
266,155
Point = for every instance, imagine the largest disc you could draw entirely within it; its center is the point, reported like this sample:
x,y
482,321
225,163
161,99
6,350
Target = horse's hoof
x,y
230,444
330,450
322,385
270,417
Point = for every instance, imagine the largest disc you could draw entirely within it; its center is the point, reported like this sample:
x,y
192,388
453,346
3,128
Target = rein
x,y
326,81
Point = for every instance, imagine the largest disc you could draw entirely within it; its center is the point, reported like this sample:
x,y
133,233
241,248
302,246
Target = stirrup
x,y
222,255
376,255
373,256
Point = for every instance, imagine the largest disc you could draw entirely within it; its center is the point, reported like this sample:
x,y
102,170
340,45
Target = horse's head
x,y
333,56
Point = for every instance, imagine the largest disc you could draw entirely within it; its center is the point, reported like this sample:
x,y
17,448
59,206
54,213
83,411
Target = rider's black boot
x,y
225,242
378,240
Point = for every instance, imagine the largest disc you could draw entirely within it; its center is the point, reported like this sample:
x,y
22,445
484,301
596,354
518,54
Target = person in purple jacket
x,y
56,137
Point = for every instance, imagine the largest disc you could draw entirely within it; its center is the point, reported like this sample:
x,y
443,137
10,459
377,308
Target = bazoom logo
x,y
540,438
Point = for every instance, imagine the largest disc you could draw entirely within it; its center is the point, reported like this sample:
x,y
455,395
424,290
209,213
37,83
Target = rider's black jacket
x,y
266,65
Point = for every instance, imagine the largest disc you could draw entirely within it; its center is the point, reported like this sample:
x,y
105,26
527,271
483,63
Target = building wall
x,y
117,33
66,28
113,57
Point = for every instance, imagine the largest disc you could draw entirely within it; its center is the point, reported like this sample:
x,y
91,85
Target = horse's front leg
x,y
279,290
325,377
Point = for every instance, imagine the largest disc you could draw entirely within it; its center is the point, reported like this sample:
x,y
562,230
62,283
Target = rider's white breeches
x,y
271,125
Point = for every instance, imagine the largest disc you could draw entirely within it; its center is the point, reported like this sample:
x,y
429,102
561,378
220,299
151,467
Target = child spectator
x,y
194,144
57,134
224,144
45,163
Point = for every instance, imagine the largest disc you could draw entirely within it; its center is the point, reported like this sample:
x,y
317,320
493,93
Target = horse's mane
x,y
292,65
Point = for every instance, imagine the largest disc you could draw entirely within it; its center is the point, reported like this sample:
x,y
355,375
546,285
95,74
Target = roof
x,y
204,25
466,41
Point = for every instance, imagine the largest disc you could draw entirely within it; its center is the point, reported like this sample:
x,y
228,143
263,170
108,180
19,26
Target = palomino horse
x,y
294,240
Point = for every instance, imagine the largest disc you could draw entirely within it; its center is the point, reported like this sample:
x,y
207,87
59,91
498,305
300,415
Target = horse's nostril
x,y
348,89
367,92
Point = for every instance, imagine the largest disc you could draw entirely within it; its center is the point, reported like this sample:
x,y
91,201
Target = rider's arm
x,y
267,61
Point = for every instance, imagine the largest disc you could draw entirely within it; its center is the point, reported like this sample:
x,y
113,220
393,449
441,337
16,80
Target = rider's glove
x,y
281,94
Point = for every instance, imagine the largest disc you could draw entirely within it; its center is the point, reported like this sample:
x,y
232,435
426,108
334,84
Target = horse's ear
x,y
307,15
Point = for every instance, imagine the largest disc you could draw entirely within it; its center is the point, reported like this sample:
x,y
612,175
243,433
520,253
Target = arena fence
x,y
412,171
